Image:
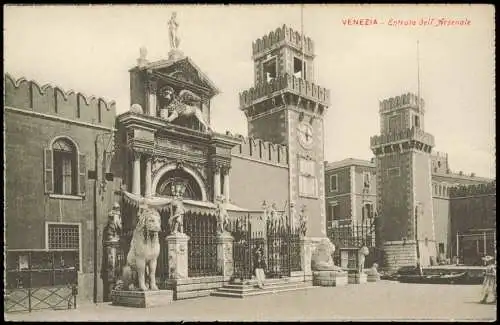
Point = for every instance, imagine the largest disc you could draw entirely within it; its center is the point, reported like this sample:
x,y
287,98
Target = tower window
x,y
269,69
416,121
299,69
393,172
366,180
334,185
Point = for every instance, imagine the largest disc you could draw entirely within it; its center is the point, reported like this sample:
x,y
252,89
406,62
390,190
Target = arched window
x,y
65,169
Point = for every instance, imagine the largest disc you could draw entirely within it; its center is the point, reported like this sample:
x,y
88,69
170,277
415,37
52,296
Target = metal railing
x,y
202,245
41,279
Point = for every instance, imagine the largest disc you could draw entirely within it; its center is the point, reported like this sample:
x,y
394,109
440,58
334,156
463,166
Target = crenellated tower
x,y
404,192
286,107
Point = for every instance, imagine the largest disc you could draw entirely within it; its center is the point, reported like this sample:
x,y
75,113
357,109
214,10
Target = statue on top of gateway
x,y
173,25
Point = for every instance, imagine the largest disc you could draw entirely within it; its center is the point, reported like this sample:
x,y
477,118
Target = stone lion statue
x,y
144,252
322,259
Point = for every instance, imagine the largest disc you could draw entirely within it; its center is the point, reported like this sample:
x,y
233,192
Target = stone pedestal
x,y
357,278
329,278
373,277
112,261
142,299
177,245
306,247
175,54
225,261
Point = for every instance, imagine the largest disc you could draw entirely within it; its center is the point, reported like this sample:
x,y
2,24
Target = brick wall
x,y
253,182
441,211
27,206
394,193
270,128
343,181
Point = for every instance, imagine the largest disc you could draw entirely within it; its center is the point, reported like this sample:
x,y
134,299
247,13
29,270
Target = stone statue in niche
x,y
183,104
322,258
222,215
173,26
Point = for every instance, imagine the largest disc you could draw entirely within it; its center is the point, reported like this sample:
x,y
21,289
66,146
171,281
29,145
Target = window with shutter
x,y
48,171
82,179
65,169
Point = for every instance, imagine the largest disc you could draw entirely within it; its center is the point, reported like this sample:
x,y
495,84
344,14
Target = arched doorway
x,y
172,177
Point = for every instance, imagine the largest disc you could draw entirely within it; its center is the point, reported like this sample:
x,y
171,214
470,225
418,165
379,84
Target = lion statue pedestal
x,y
325,272
372,273
137,287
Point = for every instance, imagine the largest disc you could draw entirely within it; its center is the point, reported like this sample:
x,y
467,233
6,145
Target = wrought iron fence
x,y
202,244
279,242
350,237
41,280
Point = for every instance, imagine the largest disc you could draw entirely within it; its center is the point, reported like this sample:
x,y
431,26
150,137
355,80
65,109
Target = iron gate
x,y
279,242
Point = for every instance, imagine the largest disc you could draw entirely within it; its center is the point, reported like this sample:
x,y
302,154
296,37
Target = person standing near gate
x,y
259,266
490,280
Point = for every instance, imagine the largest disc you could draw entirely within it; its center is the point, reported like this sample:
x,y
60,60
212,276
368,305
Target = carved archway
x,y
195,188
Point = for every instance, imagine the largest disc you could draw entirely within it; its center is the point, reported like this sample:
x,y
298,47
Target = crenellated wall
x,y
410,134
282,82
257,149
283,34
439,161
47,99
399,102
473,190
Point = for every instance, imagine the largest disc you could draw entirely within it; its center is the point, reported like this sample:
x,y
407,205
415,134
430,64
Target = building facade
x,y
473,222
423,172
50,138
279,162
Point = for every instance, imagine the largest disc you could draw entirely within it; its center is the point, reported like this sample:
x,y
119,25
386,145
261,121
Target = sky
x,y
90,49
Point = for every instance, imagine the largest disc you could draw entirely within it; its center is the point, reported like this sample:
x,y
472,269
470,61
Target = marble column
x,y
226,183
136,179
152,97
148,191
216,182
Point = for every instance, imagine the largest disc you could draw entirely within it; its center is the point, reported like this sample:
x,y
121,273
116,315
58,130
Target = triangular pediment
x,y
186,71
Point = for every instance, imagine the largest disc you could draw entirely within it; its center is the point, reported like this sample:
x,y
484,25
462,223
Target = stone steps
x,y
270,286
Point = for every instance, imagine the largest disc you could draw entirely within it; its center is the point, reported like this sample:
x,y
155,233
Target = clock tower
x,y
286,107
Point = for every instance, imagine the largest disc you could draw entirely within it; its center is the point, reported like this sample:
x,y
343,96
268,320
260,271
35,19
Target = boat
x,y
452,278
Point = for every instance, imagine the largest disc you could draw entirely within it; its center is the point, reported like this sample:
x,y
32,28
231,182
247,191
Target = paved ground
x,y
383,300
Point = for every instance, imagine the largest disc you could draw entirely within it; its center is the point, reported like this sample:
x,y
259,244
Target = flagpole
x,y
302,40
418,76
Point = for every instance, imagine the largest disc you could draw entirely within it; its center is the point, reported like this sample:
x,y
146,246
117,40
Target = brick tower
x,y
285,107
404,190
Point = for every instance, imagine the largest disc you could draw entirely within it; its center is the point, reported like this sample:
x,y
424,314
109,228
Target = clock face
x,y
305,134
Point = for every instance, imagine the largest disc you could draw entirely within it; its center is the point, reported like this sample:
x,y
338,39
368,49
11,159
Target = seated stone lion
x,y
322,257
143,253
